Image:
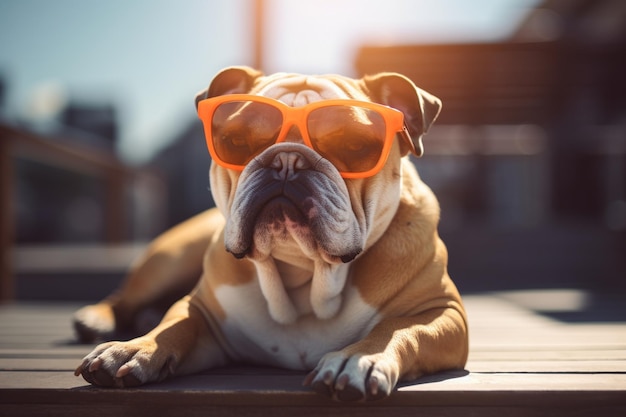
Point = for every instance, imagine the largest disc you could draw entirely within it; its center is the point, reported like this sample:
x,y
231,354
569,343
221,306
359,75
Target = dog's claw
x,y
95,365
79,369
309,378
373,386
341,383
123,371
328,378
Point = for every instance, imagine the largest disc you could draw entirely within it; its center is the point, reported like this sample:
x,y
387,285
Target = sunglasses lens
x,y
240,130
350,137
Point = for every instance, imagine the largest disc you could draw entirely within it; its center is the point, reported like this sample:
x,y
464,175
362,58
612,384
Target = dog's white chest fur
x,y
257,338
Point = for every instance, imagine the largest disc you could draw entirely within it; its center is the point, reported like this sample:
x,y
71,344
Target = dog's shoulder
x,y
414,226
403,254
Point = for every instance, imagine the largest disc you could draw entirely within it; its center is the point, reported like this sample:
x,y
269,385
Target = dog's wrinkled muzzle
x,y
291,188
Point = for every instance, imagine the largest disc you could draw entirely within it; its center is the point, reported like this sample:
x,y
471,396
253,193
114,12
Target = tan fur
x,y
398,315
171,264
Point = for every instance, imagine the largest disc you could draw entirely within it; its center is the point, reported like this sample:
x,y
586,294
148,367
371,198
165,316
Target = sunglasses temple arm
x,y
404,133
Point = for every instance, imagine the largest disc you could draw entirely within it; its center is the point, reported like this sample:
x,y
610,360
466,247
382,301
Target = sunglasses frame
x,y
297,116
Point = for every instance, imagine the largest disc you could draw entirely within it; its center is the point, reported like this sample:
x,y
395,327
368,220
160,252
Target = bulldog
x,y
322,254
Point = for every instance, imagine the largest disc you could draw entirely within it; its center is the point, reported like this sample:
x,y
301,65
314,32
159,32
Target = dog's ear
x,y
420,108
232,80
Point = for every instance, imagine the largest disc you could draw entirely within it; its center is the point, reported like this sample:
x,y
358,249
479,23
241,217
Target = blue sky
x,y
150,57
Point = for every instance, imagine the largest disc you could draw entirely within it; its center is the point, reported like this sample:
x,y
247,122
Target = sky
x,y
150,57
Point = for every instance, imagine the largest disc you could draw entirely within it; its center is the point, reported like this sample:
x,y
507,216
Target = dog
x,y
322,253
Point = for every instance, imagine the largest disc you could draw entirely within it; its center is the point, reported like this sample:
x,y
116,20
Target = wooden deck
x,y
524,362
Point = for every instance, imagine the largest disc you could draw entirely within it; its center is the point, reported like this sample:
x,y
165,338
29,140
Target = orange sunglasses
x,y
355,136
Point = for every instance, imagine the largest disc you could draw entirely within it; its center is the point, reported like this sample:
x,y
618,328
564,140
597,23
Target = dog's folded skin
x,y
348,281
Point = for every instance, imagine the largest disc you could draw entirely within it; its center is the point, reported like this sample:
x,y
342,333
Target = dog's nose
x,y
286,160
286,165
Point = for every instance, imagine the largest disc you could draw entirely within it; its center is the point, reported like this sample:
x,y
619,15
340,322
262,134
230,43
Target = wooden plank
x,y
75,258
554,362
521,363
541,367
61,351
498,323
191,410
548,355
31,326
40,364
260,380
281,394
517,382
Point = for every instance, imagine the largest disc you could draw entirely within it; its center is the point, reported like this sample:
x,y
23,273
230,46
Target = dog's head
x,y
294,196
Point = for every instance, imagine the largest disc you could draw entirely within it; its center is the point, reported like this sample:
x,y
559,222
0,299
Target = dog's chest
x,y
257,338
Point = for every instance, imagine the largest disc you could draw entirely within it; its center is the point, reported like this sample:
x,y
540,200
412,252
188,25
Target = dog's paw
x,y
126,364
94,323
353,378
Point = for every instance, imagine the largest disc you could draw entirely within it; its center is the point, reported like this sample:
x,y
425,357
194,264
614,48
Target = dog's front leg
x,y
396,349
168,269
182,343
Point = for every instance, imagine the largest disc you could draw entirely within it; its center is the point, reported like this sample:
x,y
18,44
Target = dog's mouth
x,y
272,208
312,214
279,213
280,209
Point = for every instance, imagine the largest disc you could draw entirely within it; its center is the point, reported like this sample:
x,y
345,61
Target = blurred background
x,y
101,149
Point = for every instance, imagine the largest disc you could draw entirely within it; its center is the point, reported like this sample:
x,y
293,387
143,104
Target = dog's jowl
x,y
322,254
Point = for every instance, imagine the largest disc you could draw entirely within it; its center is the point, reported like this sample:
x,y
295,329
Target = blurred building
x,y
54,204
97,119
70,207
185,168
528,156
587,41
